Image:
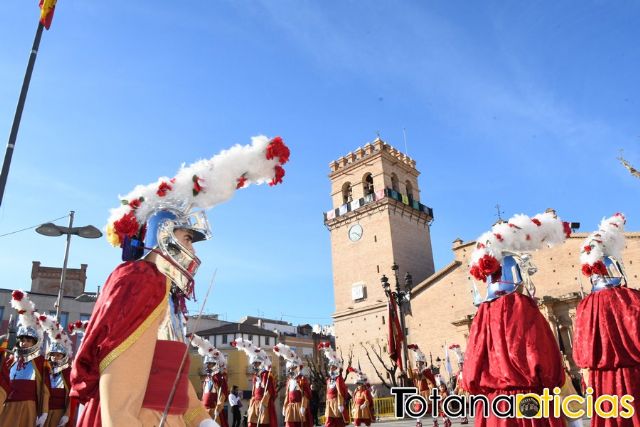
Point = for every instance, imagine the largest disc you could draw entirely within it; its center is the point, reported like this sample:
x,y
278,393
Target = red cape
x,y
607,341
511,349
131,294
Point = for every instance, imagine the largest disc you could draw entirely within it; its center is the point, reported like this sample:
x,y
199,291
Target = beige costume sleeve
x,y
124,382
196,412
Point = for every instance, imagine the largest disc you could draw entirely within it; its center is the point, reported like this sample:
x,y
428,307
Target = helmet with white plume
x,y
257,356
60,349
293,362
601,254
501,256
148,216
212,358
28,324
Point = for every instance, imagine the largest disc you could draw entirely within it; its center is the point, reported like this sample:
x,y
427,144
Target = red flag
x,y
47,7
396,336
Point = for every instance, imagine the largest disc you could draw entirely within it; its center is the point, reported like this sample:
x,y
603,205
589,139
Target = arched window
x,y
346,192
394,182
367,184
409,188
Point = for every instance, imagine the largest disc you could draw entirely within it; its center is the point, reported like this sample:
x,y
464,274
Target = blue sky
x,y
525,104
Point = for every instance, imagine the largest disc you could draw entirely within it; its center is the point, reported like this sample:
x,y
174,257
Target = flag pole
x,y
16,119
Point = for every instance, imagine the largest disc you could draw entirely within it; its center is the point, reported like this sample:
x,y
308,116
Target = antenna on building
x,y
404,134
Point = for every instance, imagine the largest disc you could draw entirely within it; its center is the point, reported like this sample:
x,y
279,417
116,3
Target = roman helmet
x,y
501,257
419,358
213,360
601,254
258,358
28,324
293,364
334,362
148,216
59,343
361,377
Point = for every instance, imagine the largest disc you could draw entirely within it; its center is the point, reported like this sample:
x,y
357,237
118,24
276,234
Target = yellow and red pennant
x,y
47,7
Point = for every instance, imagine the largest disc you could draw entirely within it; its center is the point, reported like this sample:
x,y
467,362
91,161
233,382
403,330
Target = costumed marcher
x,y
262,409
362,409
459,390
5,382
27,404
127,371
444,392
422,377
58,368
59,353
336,411
511,348
297,396
607,325
215,390
77,329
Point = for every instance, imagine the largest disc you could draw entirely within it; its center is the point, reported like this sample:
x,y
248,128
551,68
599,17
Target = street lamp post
x,y
52,230
399,297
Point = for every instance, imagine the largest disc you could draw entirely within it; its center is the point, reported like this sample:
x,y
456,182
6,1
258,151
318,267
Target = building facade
x,y
379,218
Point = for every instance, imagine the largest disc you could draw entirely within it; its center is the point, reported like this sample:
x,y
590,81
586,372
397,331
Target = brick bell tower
x,y
377,218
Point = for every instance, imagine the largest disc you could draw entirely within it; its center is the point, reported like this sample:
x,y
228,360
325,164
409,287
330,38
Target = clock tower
x,y
377,219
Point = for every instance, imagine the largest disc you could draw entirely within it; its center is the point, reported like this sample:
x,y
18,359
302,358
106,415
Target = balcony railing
x,y
378,195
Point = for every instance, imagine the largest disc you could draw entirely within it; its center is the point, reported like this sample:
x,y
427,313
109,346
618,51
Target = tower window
x,y
346,193
367,184
394,182
409,188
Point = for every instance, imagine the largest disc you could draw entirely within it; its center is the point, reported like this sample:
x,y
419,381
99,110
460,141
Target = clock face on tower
x,y
355,232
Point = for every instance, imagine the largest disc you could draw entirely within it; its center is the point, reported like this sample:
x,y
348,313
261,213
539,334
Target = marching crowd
x,y
132,366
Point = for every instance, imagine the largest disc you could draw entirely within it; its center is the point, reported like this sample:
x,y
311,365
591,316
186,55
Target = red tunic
x,y
511,350
131,294
258,393
607,342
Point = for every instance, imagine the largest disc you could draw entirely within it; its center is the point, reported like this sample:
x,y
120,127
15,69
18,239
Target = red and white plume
x,y
607,241
202,184
330,354
360,376
288,355
253,352
56,332
78,327
205,348
520,234
418,354
457,351
26,309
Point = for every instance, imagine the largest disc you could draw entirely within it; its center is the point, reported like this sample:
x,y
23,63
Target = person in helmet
x,y
511,348
362,411
607,325
129,370
27,404
262,410
422,376
215,390
295,409
58,369
336,410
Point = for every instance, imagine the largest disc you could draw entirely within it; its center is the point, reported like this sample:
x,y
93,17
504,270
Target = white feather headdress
x,y
205,348
607,241
330,354
56,332
290,356
253,352
519,234
27,315
202,184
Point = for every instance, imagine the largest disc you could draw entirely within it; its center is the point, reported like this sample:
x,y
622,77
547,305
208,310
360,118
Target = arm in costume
x,y
196,412
134,295
222,394
124,382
